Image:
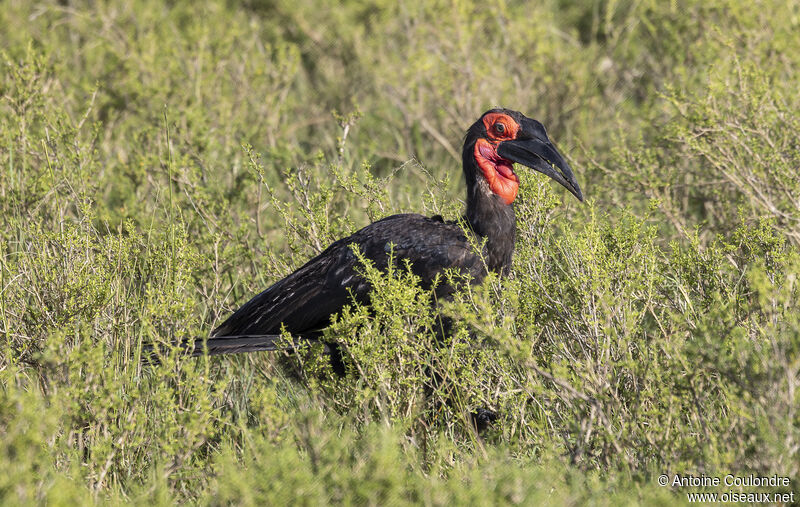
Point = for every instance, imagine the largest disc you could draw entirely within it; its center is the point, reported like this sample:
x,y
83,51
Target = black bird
x,y
305,300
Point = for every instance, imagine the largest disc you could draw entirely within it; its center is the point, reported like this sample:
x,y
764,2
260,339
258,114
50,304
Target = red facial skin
x,y
498,171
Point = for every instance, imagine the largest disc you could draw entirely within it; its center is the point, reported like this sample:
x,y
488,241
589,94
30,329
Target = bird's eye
x,y
499,128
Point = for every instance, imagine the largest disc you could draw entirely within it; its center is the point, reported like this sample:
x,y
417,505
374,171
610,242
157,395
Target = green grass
x,y
160,164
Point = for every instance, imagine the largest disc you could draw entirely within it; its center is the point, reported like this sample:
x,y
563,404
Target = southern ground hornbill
x,y
304,301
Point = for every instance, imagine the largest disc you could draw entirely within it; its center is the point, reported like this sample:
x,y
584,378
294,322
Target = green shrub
x,y
160,164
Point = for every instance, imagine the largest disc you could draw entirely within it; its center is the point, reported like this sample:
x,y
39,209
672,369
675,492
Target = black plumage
x,y
305,300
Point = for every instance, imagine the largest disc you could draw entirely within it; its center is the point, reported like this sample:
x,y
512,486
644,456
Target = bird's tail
x,y
217,345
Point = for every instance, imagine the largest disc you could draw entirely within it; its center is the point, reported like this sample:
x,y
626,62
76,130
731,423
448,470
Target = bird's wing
x,y
430,244
305,300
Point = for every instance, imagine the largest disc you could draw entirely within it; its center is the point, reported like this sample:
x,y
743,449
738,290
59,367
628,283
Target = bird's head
x,y
502,137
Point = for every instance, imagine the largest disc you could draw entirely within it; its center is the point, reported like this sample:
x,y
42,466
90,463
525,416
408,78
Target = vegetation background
x,y
162,162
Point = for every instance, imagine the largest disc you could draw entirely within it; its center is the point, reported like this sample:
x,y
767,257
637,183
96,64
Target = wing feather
x,y
305,300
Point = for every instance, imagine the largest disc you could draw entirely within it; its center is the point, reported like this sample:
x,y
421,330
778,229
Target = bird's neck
x,y
491,218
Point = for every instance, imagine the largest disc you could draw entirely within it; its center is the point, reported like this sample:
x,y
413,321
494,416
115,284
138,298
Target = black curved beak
x,y
532,148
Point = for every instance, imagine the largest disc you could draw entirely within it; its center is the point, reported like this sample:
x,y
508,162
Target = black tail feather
x,y
217,345
235,344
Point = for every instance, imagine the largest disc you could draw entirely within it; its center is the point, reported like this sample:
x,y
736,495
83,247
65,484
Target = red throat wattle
x,y
497,171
